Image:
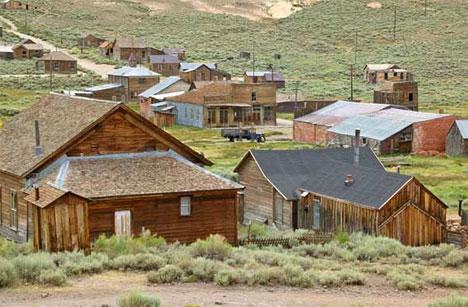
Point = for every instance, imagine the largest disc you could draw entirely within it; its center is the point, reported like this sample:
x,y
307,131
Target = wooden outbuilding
x,y
457,139
87,40
123,48
15,5
338,189
106,48
166,65
135,80
107,91
58,62
192,72
375,73
74,168
178,52
28,49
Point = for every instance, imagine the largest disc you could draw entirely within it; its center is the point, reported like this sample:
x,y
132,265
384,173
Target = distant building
x,y
227,104
192,72
58,62
134,79
87,40
124,47
108,91
178,52
375,73
275,77
28,49
457,139
15,5
6,53
166,65
401,93
107,48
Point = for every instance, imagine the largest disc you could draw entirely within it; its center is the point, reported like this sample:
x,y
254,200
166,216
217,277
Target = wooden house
x,y
28,49
135,80
375,73
338,189
87,40
15,5
457,139
6,53
226,104
395,131
166,65
178,52
106,48
313,128
107,91
275,77
58,62
192,72
400,93
123,48
72,169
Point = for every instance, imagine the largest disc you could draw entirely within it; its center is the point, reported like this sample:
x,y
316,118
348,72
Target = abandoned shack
x,y
28,49
73,168
166,65
457,139
135,80
15,5
338,189
58,62
375,73
123,48
107,91
400,93
192,72
178,52
87,40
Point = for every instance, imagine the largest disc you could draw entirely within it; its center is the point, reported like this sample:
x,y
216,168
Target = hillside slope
x,y
316,44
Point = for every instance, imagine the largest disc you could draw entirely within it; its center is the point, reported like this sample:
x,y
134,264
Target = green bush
x,y
137,299
121,245
351,277
342,237
7,273
30,267
227,277
453,300
168,274
204,269
9,249
454,258
77,263
330,279
52,277
403,281
144,262
267,276
214,247
448,282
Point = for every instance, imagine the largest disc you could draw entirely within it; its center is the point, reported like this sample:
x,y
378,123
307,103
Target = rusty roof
x,y
146,173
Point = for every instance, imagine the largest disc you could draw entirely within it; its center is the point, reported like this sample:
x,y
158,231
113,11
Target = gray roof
x,y
192,66
160,87
324,171
164,58
381,66
128,71
102,87
277,76
407,115
463,127
371,127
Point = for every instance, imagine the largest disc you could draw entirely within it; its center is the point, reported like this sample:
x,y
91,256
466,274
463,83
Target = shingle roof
x,y
47,195
128,71
324,171
131,43
463,127
339,111
57,56
160,87
192,66
164,58
135,174
60,118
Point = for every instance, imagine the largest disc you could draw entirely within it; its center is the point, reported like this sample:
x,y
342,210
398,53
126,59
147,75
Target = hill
x,y
316,44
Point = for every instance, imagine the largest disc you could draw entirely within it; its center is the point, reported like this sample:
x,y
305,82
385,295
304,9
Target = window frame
x,y
254,96
188,212
13,206
316,212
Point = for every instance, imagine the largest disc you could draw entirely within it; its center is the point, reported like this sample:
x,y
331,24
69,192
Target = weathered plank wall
x,y
10,183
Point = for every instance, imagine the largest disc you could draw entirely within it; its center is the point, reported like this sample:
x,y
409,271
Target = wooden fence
x,y
308,238
456,238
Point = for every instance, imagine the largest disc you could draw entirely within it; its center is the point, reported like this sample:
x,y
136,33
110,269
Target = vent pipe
x,y
349,180
36,192
398,169
357,143
460,207
38,148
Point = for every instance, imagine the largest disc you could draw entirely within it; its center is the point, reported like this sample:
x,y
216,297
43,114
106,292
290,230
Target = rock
x,y
374,5
44,295
218,303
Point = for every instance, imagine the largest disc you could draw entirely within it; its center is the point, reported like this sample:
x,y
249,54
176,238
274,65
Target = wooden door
x,y
123,223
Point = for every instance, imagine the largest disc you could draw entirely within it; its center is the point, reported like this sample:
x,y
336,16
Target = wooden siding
x,y
59,67
62,226
115,135
12,183
166,69
211,212
455,145
134,86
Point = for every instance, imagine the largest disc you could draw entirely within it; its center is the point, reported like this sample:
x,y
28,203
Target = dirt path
x,y
100,69
105,289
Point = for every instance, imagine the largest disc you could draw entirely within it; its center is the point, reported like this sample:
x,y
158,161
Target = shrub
x,y
29,267
204,269
7,273
9,249
351,277
227,277
120,245
454,258
448,282
404,281
144,262
168,274
430,252
452,301
342,237
330,279
214,247
266,276
77,263
136,299
294,276
52,277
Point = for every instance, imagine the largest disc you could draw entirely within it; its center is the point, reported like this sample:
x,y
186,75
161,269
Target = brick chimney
x,y
349,180
357,144
38,148
145,108
37,195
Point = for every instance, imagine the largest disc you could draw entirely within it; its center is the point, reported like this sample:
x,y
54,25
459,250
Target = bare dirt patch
x,y
374,5
106,288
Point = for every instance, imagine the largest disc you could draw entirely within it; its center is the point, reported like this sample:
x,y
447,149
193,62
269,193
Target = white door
x,y
123,224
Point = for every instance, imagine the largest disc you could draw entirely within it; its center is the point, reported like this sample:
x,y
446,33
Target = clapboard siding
x,y
12,183
211,212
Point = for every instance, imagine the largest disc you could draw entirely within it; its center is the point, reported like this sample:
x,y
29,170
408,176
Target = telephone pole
x,y
253,60
394,23
50,70
355,47
425,7
352,85
295,96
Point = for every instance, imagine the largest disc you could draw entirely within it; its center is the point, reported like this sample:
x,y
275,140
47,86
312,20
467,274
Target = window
x,y
13,210
406,137
268,114
401,76
223,115
254,96
56,66
395,74
410,97
257,111
316,211
211,116
141,80
185,206
386,76
72,65
123,223
364,141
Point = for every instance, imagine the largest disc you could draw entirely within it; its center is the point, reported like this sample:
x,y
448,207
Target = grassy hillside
x,y
316,44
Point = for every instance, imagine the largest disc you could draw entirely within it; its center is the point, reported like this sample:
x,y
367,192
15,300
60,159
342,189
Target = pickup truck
x,y
243,133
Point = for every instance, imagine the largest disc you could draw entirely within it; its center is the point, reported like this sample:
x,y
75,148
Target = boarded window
x,y
13,203
254,96
278,209
316,211
185,206
410,98
386,76
211,116
123,223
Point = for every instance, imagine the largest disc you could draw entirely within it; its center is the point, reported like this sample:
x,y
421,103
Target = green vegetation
x,y
137,299
18,67
453,300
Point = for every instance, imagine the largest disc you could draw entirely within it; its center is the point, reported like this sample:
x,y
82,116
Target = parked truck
x,y
243,134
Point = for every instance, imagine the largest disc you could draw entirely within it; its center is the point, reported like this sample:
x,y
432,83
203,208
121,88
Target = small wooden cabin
x,y
27,49
166,65
192,72
87,40
74,168
135,80
58,62
457,139
338,189
375,73
125,47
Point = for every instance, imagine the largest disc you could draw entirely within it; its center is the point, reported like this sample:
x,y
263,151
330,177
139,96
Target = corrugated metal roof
x,y
161,59
160,87
406,115
339,111
103,87
372,127
192,66
277,76
167,95
128,71
381,66
463,127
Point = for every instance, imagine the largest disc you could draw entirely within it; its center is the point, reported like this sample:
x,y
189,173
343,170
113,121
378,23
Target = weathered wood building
x,y
87,40
123,48
375,73
107,91
166,65
178,52
192,72
15,5
135,80
226,104
6,53
457,139
274,77
28,49
338,189
58,62
400,93
95,167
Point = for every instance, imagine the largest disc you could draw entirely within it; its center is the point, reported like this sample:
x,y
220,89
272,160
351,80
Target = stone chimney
x,y
146,109
357,144
38,148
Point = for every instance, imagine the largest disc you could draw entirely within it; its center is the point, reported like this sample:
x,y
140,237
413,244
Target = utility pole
x,y
26,21
50,70
394,23
355,47
352,85
253,61
295,96
425,7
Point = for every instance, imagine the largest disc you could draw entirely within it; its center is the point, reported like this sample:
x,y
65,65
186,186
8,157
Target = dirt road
x,y
105,289
100,69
